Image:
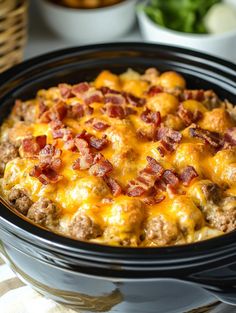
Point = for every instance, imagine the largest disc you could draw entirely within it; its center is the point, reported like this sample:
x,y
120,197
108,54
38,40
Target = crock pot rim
x,y
42,236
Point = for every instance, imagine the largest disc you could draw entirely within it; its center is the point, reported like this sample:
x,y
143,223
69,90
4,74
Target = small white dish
x,y
222,45
84,26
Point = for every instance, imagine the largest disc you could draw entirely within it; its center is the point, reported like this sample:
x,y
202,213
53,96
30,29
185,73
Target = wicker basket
x,y
13,32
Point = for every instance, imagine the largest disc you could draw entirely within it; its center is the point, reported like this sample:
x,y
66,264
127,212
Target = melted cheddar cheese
x,y
131,159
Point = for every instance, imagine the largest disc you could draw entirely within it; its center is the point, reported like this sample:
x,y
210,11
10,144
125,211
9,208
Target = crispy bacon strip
x,y
187,116
50,156
133,100
84,162
188,174
168,139
92,96
154,90
170,178
92,141
192,95
46,175
114,186
97,124
115,111
207,96
79,89
114,98
164,132
151,117
107,90
49,164
98,144
57,112
146,179
32,145
42,107
101,166
65,90
230,136
212,138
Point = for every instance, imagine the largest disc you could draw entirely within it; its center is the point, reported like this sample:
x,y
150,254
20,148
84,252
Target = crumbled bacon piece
x,y
97,124
115,188
230,136
57,112
100,126
116,99
84,142
154,167
98,144
32,145
172,191
57,124
101,166
84,162
42,108
164,132
212,138
65,90
133,100
49,154
81,144
49,164
151,117
160,185
58,133
168,138
76,111
80,89
93,96
154,90
129,111
135,189
188,174
45,175
192,95
161,151
208,97
187,116
146,179
91,141
170,178
106,90
115,111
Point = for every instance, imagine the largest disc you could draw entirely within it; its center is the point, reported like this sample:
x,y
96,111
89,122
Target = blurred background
x,y
33,27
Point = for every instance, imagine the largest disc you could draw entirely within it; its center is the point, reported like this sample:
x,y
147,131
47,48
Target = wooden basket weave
x,y
13,32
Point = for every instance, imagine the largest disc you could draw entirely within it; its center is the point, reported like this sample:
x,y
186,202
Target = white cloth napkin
x,y
15,297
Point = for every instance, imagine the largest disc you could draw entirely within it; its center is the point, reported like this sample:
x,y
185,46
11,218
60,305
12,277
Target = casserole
x,y
102,278
117,160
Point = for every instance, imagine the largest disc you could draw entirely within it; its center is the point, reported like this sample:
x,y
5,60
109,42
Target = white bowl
x,y
222,45
85,26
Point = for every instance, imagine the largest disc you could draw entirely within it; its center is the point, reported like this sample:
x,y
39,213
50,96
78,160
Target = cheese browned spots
x,y
131,160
